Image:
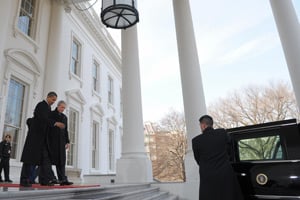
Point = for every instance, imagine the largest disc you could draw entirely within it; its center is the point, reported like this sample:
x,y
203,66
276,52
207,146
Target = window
x,y
26,21
111,150
14,113
95,134
261,148
75,58
110,90
73,121
95,74
121,103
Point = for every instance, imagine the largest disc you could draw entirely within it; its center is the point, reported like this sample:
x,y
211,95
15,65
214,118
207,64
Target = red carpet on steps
x,y
46,187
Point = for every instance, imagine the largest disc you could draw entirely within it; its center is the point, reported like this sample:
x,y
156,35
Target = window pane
x,y
75,62
73,121
95,76
75,50
121,103
262,148
94,144
73,66
14,105
111,151
14,112
95,71
26,17
110,90
23,24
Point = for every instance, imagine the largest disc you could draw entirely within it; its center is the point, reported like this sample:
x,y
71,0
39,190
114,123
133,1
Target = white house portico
x,y
192,88
50,45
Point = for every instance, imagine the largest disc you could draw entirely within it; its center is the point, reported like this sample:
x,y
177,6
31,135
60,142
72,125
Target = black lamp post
x,y
119,14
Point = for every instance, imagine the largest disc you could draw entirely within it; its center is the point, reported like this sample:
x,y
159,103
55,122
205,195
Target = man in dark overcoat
x,y
35,151
58,143
217,178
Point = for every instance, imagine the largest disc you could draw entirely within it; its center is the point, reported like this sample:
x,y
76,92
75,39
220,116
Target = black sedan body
x,y
266,159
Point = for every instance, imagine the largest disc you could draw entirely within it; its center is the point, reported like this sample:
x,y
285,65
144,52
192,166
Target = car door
x,y
266,160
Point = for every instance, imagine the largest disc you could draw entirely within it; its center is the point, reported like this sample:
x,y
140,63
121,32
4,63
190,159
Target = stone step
x,y
159,195
110,192
172,197
130,195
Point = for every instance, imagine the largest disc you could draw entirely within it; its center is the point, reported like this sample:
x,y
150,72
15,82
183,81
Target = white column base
x,y
134,170
188,190
191,186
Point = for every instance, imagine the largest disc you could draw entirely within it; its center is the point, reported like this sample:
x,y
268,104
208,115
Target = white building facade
x,y
50,45
54,45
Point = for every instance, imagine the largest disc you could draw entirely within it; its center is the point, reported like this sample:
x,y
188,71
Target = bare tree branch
x,y
255,104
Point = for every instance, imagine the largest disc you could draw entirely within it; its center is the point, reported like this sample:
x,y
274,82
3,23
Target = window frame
x,y
95,145
260,134
121,103
96,80
111,150
72,151
32,27
110,90
16,140
22,66
250,141
77,59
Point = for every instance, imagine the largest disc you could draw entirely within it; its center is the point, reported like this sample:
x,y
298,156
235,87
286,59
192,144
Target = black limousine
x,y
266,159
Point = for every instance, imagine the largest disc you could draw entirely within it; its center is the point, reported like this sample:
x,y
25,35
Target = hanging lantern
x,y
119,14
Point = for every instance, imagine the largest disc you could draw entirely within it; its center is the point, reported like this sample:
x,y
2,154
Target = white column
x,y
134,166
289,32
4,13
192,89
55,51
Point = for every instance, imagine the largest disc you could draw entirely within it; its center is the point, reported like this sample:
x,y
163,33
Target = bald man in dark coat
x,y
58,143
217,178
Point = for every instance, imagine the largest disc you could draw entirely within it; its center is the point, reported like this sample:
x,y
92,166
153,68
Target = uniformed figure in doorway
x,y
5,149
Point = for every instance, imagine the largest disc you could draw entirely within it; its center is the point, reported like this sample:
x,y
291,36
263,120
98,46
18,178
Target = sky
x,y
238,46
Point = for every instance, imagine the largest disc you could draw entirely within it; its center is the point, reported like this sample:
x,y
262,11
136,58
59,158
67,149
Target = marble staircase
x,y
109,192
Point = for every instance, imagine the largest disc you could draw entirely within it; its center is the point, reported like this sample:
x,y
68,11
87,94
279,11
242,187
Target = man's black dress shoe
x,y
66,183
33,182
25,184
55,181
50,183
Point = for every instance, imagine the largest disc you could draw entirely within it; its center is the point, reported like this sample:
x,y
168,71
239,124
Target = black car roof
x,y
263,126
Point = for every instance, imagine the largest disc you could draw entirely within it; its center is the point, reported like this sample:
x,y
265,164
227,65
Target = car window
x,y
260,148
